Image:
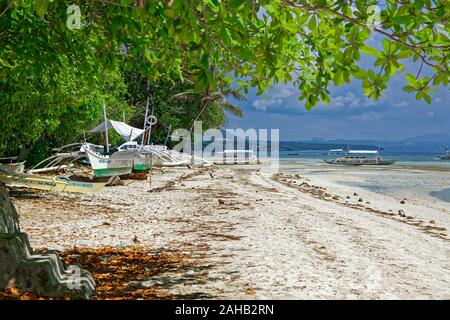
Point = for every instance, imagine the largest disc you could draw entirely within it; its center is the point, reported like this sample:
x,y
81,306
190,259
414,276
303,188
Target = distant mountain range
x,y
425,143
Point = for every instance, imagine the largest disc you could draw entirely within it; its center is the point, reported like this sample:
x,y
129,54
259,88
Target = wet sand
x,y
245,234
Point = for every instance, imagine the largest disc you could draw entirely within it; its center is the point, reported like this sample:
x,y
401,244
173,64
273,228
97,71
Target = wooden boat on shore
x,y
16,167
107,164
60,184
11,164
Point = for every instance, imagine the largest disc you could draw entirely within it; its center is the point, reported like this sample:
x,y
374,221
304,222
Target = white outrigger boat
x,y
145,154
64,157
9,164
445,156
358,157
105,163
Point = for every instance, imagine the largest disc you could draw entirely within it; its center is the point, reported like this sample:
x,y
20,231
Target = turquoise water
x,y
404,159
424,174
444,194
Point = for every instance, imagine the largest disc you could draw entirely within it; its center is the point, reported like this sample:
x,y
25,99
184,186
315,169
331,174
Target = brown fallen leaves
x,y
113,268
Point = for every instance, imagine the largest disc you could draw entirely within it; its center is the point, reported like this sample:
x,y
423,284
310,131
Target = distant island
x,y
313,146
425,143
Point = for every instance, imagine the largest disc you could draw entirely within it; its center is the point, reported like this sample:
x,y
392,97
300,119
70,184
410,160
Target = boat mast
x,y
145,122
168,134
106,127
150,124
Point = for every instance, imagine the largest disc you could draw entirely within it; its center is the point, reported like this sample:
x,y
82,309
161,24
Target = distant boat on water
x,y
445,156
358,157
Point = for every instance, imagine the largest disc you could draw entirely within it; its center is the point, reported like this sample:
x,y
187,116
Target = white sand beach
x,y
319,233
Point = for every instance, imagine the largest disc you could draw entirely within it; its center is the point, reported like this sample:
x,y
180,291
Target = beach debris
x,y
135,176
360,200
403,201
355,194
432,221
127,270
135,239
211,175
106,224
347,197
401,213
249,290
221,201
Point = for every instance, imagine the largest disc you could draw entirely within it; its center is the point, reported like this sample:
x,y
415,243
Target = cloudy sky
x,y
350,115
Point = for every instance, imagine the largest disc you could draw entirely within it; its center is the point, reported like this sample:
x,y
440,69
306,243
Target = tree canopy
x,y
255,43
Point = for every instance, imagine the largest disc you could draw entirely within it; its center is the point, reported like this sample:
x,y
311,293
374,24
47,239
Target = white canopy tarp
x,y
363,151
124,130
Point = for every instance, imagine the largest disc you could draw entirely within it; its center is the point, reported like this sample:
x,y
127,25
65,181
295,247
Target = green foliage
x,y
310,42
171,113
52,78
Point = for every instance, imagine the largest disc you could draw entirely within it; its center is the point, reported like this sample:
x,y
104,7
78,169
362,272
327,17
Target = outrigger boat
x,y
9,164
106,162
359,157
60,184
64,157
445,156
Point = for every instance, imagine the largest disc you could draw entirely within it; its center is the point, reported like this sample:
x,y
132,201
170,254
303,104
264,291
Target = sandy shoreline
x,y
250,235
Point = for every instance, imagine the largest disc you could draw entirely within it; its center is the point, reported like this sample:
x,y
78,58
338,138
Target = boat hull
x,y
362,163
18,167
119,163
141,162
49,183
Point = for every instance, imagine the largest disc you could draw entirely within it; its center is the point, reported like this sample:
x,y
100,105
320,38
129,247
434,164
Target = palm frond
x,y
236,94
233,109
186,96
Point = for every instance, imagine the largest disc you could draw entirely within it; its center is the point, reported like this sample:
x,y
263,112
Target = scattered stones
x,y
403,201
114,181
401,213
221,201
347,197
355,194
360,200
433,221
